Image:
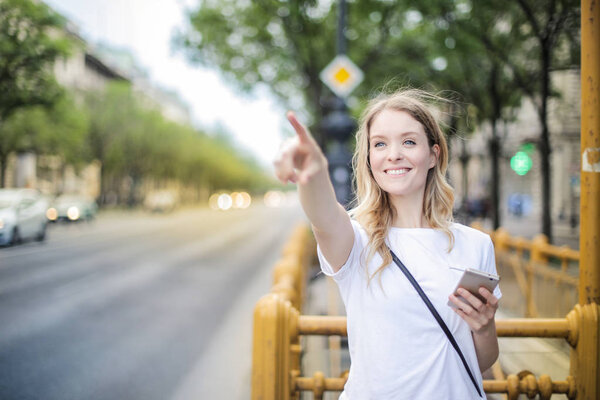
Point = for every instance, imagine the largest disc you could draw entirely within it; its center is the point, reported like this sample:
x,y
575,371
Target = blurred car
x,y
22,215
72,207
160,201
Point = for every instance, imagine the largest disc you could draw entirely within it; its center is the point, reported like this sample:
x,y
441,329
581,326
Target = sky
x,y
145,28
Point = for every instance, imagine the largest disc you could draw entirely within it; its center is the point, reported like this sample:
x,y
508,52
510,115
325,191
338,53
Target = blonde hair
x,y
373,209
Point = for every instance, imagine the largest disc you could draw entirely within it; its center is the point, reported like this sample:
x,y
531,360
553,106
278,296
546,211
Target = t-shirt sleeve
x,y
490,264
350,263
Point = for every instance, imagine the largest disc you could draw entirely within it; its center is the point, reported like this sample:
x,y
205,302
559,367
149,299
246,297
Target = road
x,y
138,306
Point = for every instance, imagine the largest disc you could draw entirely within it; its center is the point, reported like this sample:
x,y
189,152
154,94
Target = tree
x,y
66,131
544,37
135,142
286,44
477,74
58,130
27,53
112,113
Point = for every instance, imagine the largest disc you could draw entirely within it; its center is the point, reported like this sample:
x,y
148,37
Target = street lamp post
x,y
338,126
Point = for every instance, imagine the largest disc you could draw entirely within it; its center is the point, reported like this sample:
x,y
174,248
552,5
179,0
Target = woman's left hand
x,y
479,315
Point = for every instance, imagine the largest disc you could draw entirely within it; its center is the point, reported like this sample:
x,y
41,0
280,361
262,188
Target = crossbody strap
x,y
436,316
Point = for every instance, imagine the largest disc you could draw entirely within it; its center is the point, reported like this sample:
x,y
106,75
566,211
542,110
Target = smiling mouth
x,y
398,171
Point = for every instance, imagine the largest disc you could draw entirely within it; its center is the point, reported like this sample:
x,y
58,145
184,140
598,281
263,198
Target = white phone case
x,y
472,280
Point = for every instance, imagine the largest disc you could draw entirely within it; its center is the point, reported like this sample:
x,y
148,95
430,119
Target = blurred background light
x,y
73,213
52,214
213,201
241,200
225,202
274,198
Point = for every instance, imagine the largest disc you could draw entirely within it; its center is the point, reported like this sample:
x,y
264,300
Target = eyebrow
x,y
371,137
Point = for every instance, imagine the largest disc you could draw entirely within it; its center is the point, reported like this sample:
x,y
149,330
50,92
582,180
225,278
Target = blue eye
x,y
410,141
378,144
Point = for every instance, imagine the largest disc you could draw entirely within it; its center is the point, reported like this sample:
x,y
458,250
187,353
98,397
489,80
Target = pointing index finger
x,y
301,131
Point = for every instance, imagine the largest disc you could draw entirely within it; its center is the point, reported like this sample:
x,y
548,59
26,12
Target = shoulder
x,y
359,230
466,235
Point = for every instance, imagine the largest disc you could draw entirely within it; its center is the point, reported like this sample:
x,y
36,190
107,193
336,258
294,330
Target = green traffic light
x,y
521,163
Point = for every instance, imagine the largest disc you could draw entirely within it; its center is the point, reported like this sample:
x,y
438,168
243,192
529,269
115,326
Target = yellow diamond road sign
x,y
342,76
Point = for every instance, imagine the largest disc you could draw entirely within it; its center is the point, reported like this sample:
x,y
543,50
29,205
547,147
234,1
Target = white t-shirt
x,y
397,348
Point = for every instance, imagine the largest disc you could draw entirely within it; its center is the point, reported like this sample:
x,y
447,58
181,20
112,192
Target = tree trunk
x,y
495,146
464,162
3,162
495,182
132,197
102,194
545,145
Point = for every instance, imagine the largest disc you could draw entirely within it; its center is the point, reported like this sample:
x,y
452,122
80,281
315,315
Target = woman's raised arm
x,y
301,161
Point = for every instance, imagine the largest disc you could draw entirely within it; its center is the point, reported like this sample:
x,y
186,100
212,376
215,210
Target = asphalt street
x,y
138,306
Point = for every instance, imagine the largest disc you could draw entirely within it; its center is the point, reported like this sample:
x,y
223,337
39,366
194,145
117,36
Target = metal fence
x,y
279,325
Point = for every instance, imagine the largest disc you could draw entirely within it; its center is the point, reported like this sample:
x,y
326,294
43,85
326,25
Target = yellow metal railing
x,y
543,290
278,327
282,378
289,273
276,348
513,385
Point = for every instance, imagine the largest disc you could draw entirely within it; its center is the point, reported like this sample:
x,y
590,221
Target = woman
x,y
397,349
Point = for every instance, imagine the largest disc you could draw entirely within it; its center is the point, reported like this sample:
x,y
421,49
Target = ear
x,y
435,154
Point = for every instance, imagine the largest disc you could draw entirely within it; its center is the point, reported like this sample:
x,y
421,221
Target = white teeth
x,y
397,171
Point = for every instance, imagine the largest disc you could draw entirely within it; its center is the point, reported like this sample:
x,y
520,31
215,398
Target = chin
x,y
403,192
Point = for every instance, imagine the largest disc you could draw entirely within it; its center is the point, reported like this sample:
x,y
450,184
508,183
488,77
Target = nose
x,y
395,153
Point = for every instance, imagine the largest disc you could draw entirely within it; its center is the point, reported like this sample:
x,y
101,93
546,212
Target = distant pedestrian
x,y
403,205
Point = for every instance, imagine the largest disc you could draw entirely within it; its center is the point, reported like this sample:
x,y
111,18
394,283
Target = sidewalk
x,y
540,356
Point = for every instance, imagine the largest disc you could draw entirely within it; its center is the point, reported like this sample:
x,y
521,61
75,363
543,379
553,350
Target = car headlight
x,y
52,214
73,213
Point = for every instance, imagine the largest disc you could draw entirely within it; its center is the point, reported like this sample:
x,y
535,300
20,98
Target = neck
x,y
409,212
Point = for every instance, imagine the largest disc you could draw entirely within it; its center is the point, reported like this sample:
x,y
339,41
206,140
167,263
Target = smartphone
x,y
472,280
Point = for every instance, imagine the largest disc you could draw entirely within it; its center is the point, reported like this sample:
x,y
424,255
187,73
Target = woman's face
x,y
399,154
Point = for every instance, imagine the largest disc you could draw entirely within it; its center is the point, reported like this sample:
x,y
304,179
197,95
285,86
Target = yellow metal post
x,y
271,355
585,357
589,242
537,257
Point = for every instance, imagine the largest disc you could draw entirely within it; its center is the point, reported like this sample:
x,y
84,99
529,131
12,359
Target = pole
x,y
585,356
341,38
589,239
338,126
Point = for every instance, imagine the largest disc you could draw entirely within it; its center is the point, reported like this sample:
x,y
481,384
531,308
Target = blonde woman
x,y
403,203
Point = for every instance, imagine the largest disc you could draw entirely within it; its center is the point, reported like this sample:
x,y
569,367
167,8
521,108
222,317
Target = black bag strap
x,y
436,316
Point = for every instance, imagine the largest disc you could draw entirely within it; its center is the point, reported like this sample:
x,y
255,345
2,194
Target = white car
x,y
22,215
72,207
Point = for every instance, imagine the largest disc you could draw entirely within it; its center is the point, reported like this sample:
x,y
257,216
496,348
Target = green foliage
x,y
526,38
57,130
480,78
27,53
286,44
134,141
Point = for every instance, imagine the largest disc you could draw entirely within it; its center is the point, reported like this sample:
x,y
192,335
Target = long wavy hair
x,y
373,208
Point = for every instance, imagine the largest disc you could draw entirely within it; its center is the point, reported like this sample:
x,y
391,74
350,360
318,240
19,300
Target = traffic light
x,y
521,162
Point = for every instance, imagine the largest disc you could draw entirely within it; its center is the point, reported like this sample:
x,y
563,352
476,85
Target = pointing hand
x,y
300,157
